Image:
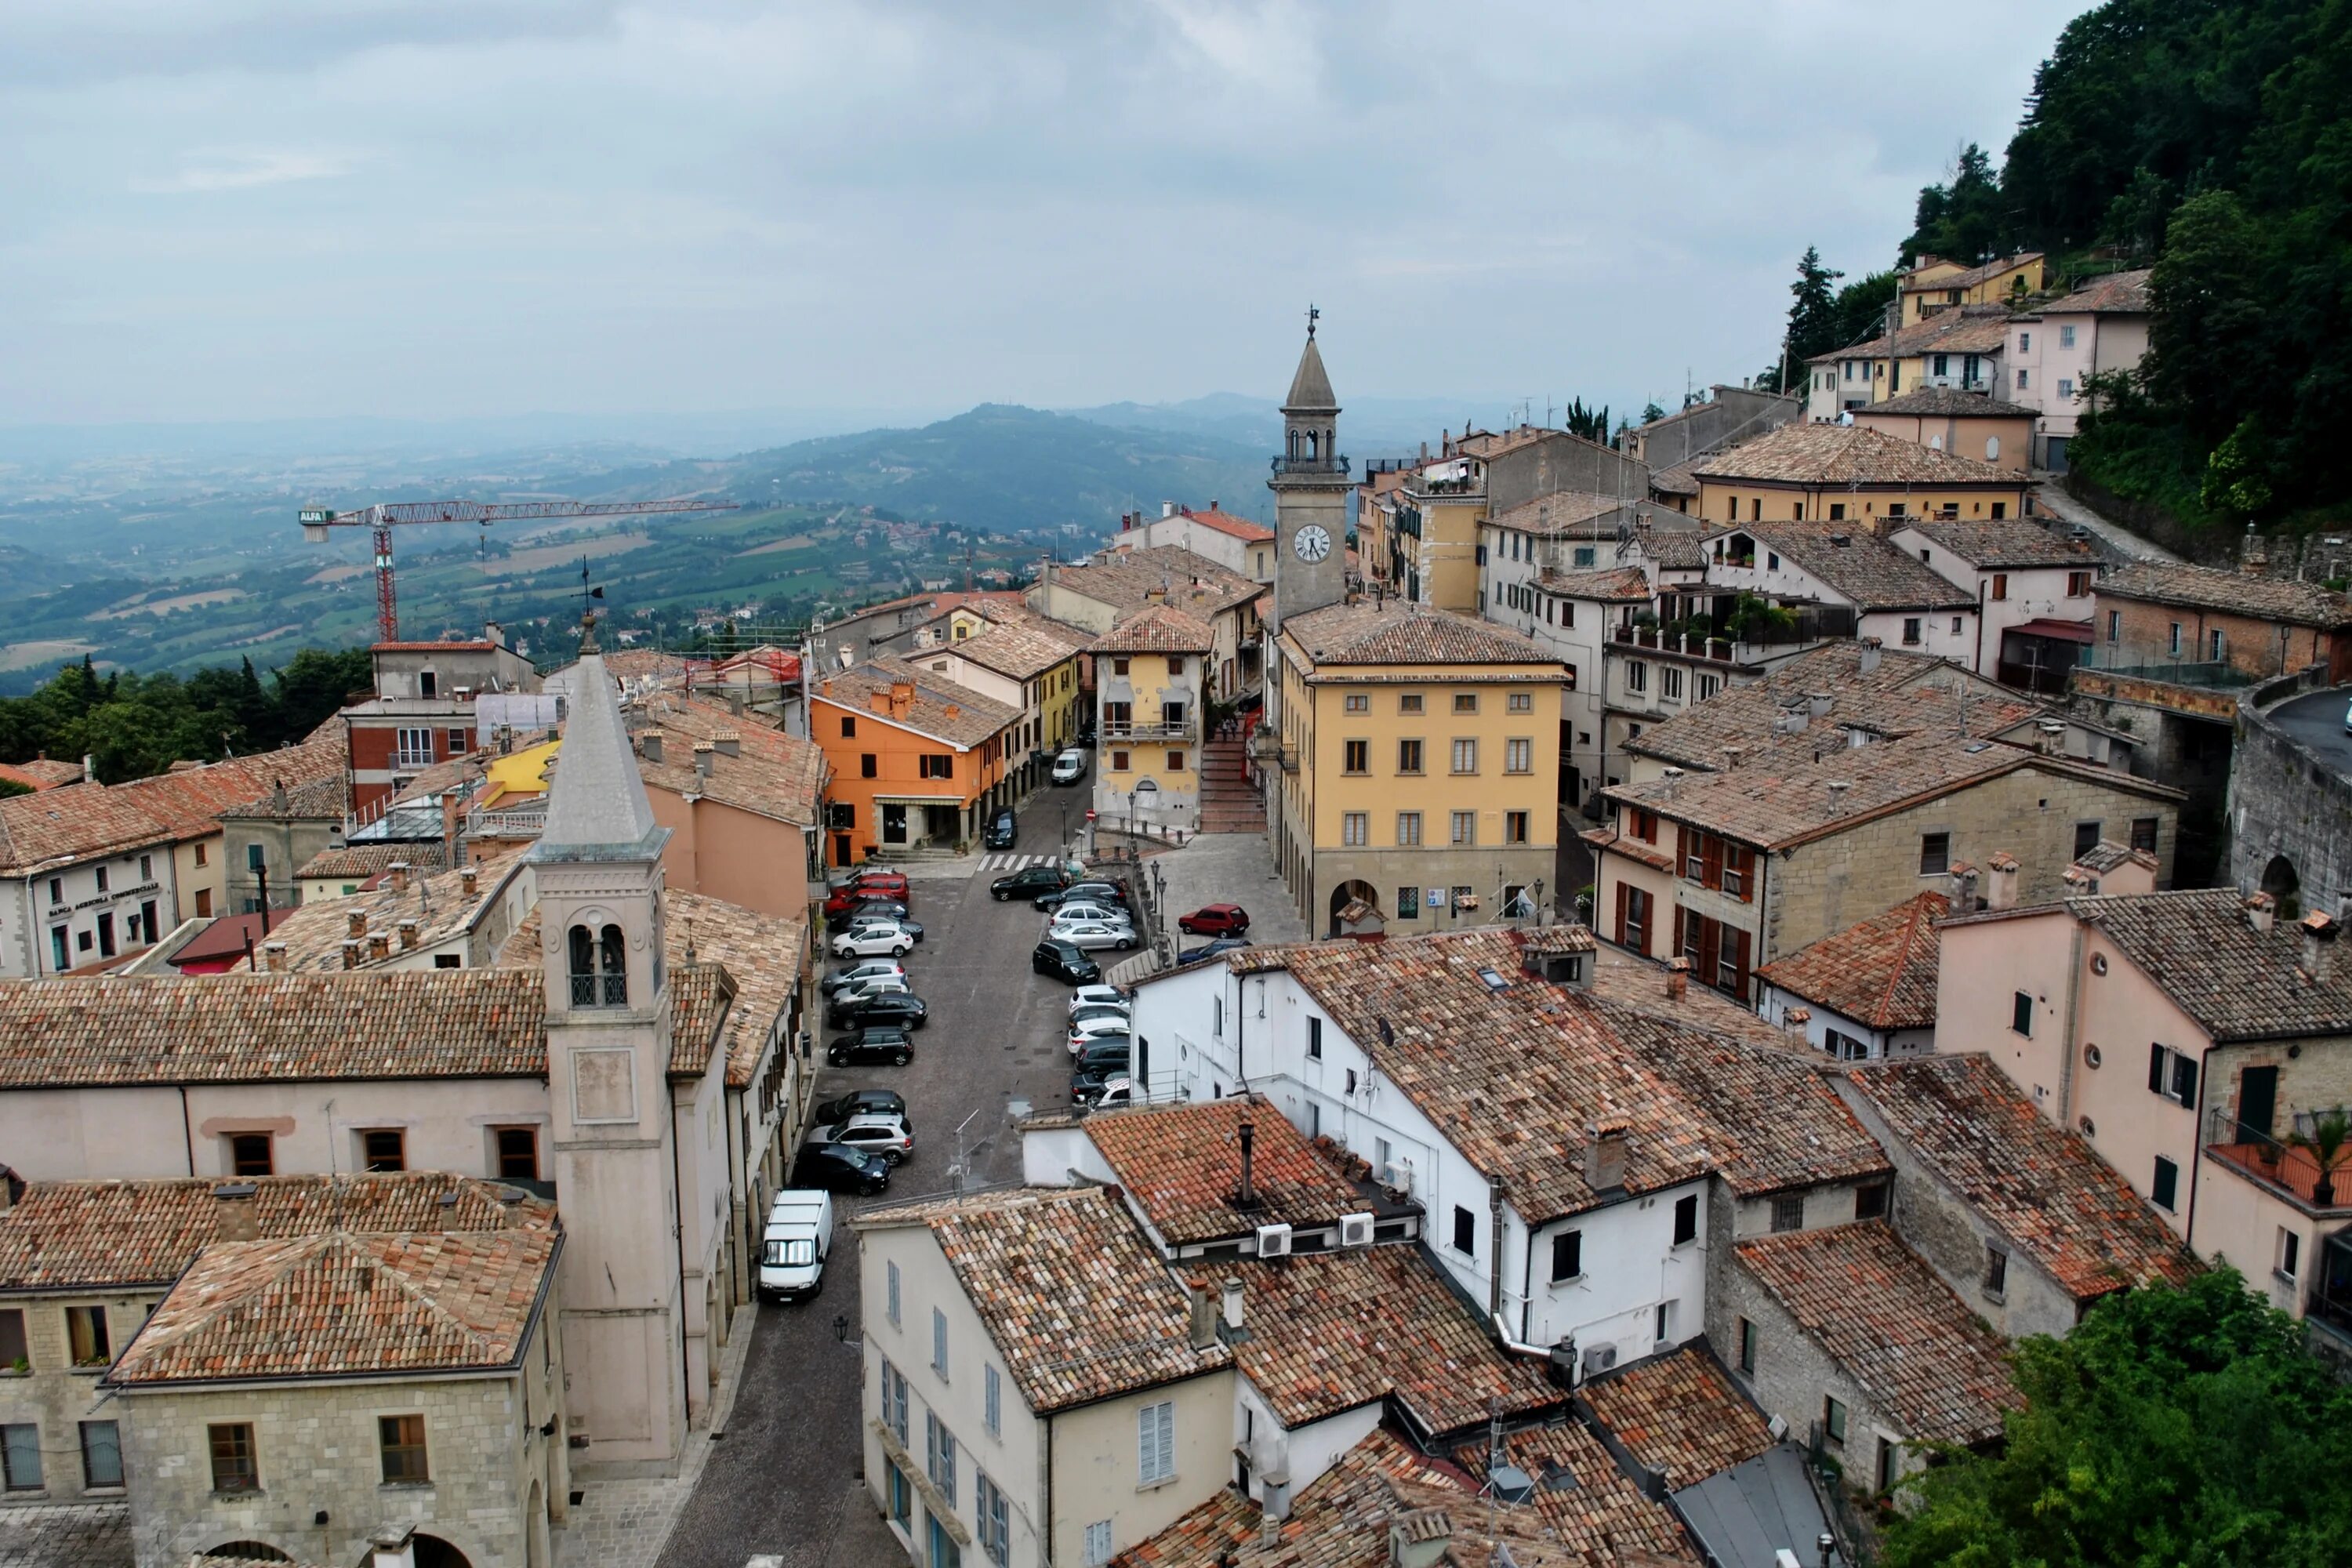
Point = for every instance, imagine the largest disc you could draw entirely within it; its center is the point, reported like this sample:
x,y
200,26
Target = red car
x,y
1215,919
880,885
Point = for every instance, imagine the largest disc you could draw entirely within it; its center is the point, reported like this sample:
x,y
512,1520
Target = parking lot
x,y
783,1481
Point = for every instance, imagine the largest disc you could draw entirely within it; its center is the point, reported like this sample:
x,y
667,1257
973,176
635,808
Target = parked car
x,y
866,910
861,1102
913,927
1092,935
871,1047
1070,766
1098,996
794,1242
1215,919
1065,961
897,1007
1003,832
889,885
851,975
884,1135
862,941
1223,944
1028,882
838,1168
1094,892
1108,914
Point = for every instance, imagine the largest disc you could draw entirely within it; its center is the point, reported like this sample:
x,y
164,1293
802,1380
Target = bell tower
x,y
1310,493
597,866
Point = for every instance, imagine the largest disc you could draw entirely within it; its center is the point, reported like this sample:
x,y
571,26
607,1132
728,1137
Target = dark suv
x,y
1065,961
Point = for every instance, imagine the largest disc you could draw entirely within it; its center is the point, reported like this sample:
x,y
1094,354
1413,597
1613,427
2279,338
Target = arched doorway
x,y
2279,882
1355,907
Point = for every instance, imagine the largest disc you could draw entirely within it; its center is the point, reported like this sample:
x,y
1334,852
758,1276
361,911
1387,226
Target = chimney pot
x,y
1233,1292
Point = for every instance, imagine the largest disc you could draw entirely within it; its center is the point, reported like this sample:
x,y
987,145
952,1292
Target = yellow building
x,y
1415,769
1936,284
1150,674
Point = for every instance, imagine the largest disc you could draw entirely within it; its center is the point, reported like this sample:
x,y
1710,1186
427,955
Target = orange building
x,y
914,762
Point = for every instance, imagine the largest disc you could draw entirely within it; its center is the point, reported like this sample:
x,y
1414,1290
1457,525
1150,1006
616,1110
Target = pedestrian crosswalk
x,y
1010,862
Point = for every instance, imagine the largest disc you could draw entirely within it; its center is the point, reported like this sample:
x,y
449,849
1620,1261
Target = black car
x,y
1027,881
897,1008
838,1168
1003,831
1065,961
867,1046
1084,893
1223,944
862,1102
866,909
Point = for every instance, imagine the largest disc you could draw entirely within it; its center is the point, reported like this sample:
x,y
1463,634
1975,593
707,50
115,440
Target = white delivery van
x,y
793,1247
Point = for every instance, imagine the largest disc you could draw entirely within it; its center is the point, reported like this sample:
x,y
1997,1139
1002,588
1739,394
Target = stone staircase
x,y
1229,804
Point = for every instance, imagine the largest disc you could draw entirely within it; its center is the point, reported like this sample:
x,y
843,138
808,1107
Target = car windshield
x,y
785,1254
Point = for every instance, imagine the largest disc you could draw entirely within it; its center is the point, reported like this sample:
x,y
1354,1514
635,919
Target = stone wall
x,y
2286,809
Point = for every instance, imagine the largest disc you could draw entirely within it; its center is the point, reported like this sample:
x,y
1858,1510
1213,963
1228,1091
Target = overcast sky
x,y
222,209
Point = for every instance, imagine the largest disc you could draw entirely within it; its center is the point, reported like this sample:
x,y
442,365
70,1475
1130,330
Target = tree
x,y
1812,312
2182,1425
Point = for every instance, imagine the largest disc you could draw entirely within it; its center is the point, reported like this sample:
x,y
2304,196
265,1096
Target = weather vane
x,y
1312,313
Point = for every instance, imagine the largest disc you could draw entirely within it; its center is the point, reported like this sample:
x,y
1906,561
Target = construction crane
x,y
384,516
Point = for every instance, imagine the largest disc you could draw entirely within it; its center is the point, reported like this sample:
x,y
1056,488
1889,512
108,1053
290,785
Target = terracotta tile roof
x,y
1588,1506
337,1304
1391,633
1891,1325
1182,1164
1679,1415
2037,1183
1127,580
1614,584
64,1236
1783,798
1884,700
1157,629
41,773
2117,293
1998,267
1329,1331
1079,1305
1880,973
361,861
2209,588
1513,1075
1946,403
245,1028
940,709
2006,541
1853,562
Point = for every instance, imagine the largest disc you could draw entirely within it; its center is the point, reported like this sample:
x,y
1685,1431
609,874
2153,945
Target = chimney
x,y
1233,1313
1794,1020
1869,661
1246,1197
355,924
1204,1313
407,934
469,880
273,957
379,945
2318,943
2000,880
1677,977
398,877
1818,703
351,953
649,745
729,743
2261,912
705,758
1604,1156
233,1216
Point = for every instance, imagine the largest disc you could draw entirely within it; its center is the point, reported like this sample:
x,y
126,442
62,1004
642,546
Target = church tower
x,y
599,875
1310,494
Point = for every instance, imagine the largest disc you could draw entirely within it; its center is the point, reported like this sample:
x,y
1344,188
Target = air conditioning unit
x,y
1355,1230
1600,1358
1273,1241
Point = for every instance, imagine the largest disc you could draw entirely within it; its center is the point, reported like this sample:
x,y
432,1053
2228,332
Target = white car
x,y
872,1133
866,942
1098,996
1091,936
1070,767
1108,914
1086,1032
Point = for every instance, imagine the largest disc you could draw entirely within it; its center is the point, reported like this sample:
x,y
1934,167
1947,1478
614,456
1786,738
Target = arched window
x,y
599,968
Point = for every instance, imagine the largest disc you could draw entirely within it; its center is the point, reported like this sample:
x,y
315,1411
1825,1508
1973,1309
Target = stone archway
x,y
2280,881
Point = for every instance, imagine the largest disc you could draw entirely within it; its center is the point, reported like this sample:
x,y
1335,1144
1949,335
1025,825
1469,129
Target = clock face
x,y
1311,543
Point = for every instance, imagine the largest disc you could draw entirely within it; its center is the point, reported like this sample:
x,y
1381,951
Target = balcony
x,y
2284,1170
1316,466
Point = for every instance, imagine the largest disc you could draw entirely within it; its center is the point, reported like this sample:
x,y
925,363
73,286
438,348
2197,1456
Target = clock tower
x,y
1310,494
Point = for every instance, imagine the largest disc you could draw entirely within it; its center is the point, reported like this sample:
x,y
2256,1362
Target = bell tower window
x,y
600,968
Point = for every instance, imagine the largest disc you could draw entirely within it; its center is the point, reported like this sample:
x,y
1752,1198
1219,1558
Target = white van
x,y
793,1247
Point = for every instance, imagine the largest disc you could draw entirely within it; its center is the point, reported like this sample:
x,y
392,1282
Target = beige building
x,y
1150,672
1734,869
1415,773
1037,1387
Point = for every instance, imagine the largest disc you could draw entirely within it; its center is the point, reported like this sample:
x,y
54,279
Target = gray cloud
x,y
221,208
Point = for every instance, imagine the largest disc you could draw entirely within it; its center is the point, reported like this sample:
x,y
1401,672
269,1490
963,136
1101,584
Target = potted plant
x,y
2330,1132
